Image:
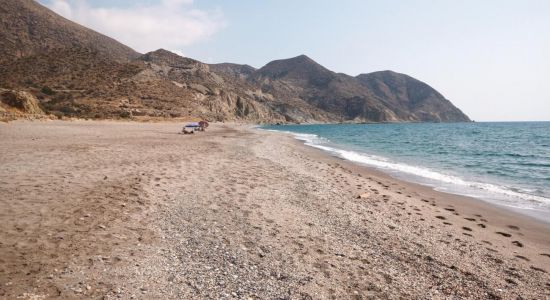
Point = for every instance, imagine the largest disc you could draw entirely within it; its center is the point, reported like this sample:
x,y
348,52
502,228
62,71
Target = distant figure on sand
x,y
203,125
191,127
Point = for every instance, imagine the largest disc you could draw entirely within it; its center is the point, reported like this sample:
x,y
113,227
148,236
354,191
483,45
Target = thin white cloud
x,y
169,24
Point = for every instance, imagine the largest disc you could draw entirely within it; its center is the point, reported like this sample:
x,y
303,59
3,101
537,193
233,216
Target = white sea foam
x,y
438,180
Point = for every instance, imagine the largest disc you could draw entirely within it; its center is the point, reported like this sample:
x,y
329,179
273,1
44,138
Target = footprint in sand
x,y
538,269
449,209
441,217
511,281
545,254
523,257
517,243
504,234
513,227
481,225
467,228
470,219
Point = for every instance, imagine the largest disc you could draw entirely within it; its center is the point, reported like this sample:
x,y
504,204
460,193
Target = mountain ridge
x,y
80,73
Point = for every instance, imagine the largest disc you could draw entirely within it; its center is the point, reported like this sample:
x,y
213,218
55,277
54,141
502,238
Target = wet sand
x,y
119,210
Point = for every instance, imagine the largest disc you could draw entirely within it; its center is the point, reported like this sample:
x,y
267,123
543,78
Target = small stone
x,y
88,287
102,226
363,196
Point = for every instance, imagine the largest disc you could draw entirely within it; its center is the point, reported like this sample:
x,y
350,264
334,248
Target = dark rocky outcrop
x,y
20,101
18,104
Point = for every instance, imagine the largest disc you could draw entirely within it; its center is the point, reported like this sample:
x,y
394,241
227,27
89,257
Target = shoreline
x,y
135,210
539,215
471,205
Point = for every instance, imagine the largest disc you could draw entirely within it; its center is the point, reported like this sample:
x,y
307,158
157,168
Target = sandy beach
x,y
108,210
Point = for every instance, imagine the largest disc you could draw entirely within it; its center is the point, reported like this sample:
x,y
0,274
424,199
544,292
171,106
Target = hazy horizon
x,y
491,58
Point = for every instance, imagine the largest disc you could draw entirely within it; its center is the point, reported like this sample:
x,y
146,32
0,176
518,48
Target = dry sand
x,y
107,210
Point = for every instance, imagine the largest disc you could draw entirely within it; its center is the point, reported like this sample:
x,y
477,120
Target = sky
x,y
491,58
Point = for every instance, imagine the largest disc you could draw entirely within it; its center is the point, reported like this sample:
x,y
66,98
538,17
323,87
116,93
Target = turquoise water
x,y
504,163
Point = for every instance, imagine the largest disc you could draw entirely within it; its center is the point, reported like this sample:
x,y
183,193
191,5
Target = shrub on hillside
x,y
47,90
58,114
125,114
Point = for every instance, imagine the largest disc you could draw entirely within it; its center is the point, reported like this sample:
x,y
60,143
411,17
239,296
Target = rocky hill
x,y
29,28
74,71
411,98
339,95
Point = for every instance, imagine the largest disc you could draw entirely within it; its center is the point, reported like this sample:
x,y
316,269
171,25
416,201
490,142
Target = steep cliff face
x,y
218,96
79,82
74,71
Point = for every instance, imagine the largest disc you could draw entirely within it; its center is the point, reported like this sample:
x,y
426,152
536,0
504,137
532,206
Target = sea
x,y
506,163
